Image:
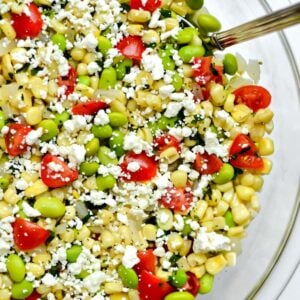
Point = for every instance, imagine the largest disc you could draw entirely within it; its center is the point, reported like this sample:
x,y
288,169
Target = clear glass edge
x,y
296,208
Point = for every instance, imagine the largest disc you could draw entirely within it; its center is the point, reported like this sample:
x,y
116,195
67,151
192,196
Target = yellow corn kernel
x,y
107,239
89,57
90,183
113,287
36,269
187,70
263,116
240,214
151,37
222,207
58,26
7,29
174,242
209,225
94,82
225,187
231,258
78,54
85,90
68,235
180,8
209,215
204,125
163,275
133,295
269,127
10,196
179,178
34,115
196,259
229,103
117,106
185,248
258,183
144,78
145,134
199,210
182,263
228,196
43,289
241,113
6,210
135,29
265,147
41,258
171,23
198,271
149,232
118,296
124,232
37,188
154,102
83,233
82,69
237,231
247,179
244,193
138,16
217,94
169,155
266,168
38,88
7,67
216,264
219,223
106,216
257,132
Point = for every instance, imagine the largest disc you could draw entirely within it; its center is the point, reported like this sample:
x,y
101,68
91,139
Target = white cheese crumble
x,y
130,258
153,63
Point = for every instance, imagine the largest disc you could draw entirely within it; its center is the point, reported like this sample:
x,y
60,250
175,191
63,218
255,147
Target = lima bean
x,y
61,118
108,79
123,67
195,4
102,132
206,283
106,156
105,182
180,296
59,40
88,168
21,290
208,23
2,119
179,278
230,64
104,44
116,142
117,119
225,174
187,53
50,128
50,207
92,147
73,253
128,276
4,182
15,267
186,35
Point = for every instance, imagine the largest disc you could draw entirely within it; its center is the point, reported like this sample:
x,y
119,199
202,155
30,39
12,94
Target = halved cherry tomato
x,y
247,161
88,108
205,71
242,144
28,235
132,47
147,167
207,164
28,24
166,141
147,261
192,285
55,172
34,296
254,96
68,81
15,139
150,5
151,287
177,199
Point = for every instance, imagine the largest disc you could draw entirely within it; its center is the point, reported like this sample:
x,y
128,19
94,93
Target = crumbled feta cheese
x,y
130,258
153,63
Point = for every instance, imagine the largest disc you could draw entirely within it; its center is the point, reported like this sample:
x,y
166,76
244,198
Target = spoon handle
x,y
273,22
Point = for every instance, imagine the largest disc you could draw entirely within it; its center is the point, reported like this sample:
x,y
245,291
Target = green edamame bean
x,y
21,290
105,182
177,82
123,68
88,168
61,118
229,219
92,147
206,283
208,23
108,79
187,229
84,79
179,278
4,182
187,53
59,40
50,128
225,174
102,132
107,156
50,207
116,142
230,64
180,296
82,274
186,35
168,63
117,119
15,267
195,4
128,276
2,119
104,44
162,123
73,253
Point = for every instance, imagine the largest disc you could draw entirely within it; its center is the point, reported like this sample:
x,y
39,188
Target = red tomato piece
x,y
147,167
147,262
28,24
247,161
68,81
205,71
150,5
15,139
88,108
151,287
177,199
254,96
242,144
166,141
28,235
207,164
132,47
55,172
192,285
34,296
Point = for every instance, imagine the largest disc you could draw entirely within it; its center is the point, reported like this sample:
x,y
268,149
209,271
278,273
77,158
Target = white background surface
x,y
292,289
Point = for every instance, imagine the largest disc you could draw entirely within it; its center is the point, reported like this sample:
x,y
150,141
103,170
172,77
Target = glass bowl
x,y
268,233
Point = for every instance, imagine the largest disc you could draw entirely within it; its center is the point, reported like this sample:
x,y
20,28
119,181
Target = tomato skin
x,y
88,108
166,141
60,178
177,199
151,5
28,235
192,285
254,96
207,164
28,26
15,139
132,47
34,296
242,144
147,262
68,81
247,161
151,287
147,170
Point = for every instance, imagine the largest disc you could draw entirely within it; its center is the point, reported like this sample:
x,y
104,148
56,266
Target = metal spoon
x,y
275,21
